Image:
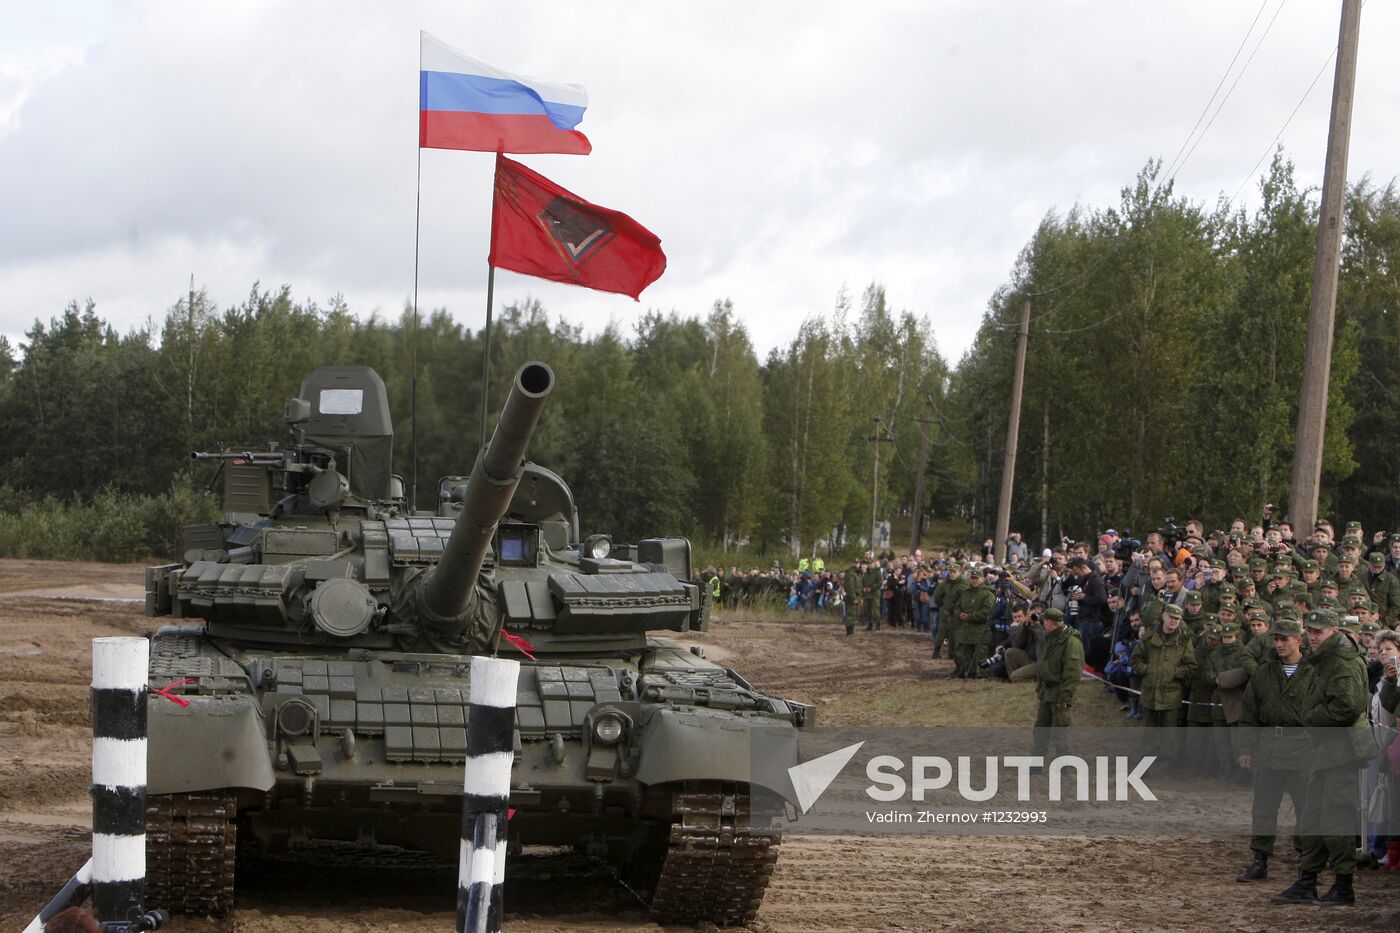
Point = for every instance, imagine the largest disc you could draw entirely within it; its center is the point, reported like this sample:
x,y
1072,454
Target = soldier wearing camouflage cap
x,y
1321,552
1348,583
1384,588
1210,593
1058,673
1257,639
1271,741
1334,709
1193,608
1165,661
1228,667
1199,738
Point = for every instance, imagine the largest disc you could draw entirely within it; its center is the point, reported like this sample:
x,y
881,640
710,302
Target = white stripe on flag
x,y
439,56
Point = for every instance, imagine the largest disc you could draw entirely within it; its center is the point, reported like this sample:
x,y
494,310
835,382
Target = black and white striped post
x,y
486,794
119,690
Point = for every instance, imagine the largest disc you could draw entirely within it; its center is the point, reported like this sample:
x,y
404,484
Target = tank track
x,y
717,864
191,852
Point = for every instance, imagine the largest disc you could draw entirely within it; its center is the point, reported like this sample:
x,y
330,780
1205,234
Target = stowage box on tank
x,y
321,638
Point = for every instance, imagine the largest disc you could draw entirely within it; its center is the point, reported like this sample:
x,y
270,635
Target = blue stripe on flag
x,y
442,90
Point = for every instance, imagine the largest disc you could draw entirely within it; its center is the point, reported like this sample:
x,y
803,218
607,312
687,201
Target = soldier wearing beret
x,y
1057,678
1334,709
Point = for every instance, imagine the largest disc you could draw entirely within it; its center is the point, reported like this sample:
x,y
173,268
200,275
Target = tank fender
x,y
697,744
214,742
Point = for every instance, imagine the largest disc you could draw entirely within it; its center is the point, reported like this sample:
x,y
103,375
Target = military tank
x,y
310,687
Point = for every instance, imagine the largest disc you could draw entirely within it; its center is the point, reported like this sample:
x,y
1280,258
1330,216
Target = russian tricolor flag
x,y
464,103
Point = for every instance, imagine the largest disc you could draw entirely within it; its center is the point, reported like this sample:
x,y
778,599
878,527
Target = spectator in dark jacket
x,y
1093,612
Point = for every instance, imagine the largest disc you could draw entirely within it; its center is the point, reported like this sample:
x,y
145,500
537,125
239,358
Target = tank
x,y
309,688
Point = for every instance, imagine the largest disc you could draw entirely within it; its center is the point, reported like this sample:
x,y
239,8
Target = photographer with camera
x,y
1016,658
1091,616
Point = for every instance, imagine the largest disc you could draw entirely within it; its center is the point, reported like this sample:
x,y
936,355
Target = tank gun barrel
x,y
252,456
488,493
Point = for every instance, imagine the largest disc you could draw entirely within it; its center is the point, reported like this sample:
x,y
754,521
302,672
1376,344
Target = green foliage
x,y
1166,349
111,526
1166,352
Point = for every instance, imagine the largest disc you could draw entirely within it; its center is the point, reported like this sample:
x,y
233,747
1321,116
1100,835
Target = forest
x,y
1165,355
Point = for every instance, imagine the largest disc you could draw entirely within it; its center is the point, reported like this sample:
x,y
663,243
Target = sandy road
x,y
821,883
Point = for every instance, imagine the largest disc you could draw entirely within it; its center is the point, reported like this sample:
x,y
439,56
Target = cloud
x,y
780,150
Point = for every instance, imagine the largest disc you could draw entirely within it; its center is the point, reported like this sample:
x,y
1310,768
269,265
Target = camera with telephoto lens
x,y
987,662
1173,533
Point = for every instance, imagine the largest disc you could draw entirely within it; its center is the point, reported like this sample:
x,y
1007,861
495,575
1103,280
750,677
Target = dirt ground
x,y
821,882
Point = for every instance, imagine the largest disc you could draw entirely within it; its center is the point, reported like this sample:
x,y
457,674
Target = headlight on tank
x,y
609,727
597,546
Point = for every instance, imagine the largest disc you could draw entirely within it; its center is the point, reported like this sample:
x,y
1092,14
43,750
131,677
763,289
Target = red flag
x,y
538,228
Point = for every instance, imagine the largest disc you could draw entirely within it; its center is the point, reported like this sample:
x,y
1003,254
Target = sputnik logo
x,y
810,779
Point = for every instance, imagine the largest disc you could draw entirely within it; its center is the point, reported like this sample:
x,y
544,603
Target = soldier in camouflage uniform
x,y
1057,678
945,596
1384,587
973,608
1272,743
855,599
1210,594
1228,668
1348,583
1334,709
1194,612
871,583
1260,640
1197,693
1165,660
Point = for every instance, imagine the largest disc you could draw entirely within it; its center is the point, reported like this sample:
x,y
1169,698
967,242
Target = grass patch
x,y
944,701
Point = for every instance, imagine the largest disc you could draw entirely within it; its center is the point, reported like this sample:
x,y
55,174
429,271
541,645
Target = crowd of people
x,y
1290,640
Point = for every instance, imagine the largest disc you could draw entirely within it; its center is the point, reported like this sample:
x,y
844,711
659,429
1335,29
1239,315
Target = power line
x,y
1226,98
1279,135
1221,83
1170,174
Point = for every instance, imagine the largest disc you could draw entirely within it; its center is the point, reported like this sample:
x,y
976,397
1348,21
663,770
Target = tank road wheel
x,y
717,864
190,852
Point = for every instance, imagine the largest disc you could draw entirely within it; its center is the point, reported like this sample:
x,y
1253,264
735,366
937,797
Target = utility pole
x,y
1045,479
189,350
916,531
879,435
1317,361
1013,428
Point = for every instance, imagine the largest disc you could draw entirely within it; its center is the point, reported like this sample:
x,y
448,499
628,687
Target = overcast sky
x,y
780,150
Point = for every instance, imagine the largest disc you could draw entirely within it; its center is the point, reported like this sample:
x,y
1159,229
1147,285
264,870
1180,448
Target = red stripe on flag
x,y
490,132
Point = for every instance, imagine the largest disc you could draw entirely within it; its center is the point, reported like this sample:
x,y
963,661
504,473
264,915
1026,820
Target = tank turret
x,y
319,545
445,593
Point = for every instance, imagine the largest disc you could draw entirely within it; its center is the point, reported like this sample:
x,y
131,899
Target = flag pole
x,y
490,291
413,346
